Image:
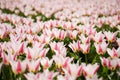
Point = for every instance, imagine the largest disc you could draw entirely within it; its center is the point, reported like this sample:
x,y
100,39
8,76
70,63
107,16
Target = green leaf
x,y
118,34
21,56
6,72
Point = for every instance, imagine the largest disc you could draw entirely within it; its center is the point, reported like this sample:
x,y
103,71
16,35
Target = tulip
x,y
47,32
18,67
85,40
67,61
44,39
73,70
101,47
21,50
36,51
90,70
110,36
85,48
59,60
46,75
58,34
75,46
58,48
114,53
3,33
90,31
46,63
29,38
33,66
73,34
62,34
32,76
55,33
95,77
32,53
99,37
111,64
105,62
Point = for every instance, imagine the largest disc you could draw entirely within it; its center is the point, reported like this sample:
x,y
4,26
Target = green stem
x,y
86,58
94,60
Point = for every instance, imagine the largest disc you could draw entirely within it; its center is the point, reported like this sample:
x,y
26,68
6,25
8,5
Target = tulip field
x,y
59,39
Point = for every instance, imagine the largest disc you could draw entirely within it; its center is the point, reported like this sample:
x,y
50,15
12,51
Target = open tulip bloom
x,y
59,39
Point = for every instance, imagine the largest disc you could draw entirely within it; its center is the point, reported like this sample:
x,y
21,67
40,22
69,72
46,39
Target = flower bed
x,y
69,41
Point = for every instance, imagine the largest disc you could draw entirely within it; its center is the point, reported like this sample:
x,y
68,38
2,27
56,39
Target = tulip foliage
x,y
67,41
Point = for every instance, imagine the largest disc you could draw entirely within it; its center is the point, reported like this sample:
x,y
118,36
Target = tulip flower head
x,y
90,70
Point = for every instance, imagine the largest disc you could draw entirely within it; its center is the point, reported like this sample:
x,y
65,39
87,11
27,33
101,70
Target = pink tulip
x,y
90,31
67,61
112,64
45,62
105,62
32,76
59,60
48,75
18,67
58,48
45,75
73,70
47,32
3,32
44,39
110,36
85,40
73,34
85,48
58,34
99,37
101,47
33,66
90,70
114,53
21,49
75,46
36,51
